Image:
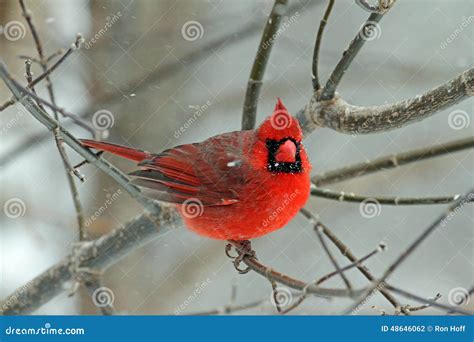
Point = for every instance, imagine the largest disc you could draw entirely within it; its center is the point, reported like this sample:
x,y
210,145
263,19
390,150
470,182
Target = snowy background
x,y
411,55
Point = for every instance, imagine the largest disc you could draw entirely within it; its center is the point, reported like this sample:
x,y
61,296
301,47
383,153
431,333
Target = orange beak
x,y
286,152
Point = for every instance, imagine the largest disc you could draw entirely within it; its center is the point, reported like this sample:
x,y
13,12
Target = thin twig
x,y
350,197
160,75
297,302
29,77
80,122
423,306
391,161
84,162
431,302
318,227
46,70
59,52
75,46
92,282
55,54
366,6
31,84
382,5
275,294
300,285
348,56
317,45
260,63
269,273
230,308
380,248
33,59
362,268
98,247
441,220
76,145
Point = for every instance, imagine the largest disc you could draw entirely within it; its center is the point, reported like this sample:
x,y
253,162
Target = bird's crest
x,y
281,124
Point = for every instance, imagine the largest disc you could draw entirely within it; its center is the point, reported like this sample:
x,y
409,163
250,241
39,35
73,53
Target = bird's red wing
x,y
211,171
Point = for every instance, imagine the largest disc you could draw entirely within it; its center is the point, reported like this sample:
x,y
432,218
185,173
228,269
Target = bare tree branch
x,y
348,56
52,124
391,161
382,5
317,45
318,227
93,256
300,285
350,197
93,282
76,45
380,248
101,253
260,63
269,273
415,244
80,122
343,117
70,172
431,302
157,76
90,256
344,249
230,308
423,306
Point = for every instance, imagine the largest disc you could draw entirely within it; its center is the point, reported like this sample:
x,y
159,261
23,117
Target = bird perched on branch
x,y
233,186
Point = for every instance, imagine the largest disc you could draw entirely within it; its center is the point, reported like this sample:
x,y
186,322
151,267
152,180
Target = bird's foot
x,y
243,249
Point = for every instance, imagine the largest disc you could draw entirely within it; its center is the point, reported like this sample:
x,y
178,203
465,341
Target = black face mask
x,y
283,167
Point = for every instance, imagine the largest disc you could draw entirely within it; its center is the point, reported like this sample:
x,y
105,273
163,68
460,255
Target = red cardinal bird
x,y
238,185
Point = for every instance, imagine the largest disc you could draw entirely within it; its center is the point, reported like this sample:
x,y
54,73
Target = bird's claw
x,y
243,249
228,248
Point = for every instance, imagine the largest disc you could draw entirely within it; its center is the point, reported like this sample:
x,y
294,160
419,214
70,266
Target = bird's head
x,y
282,135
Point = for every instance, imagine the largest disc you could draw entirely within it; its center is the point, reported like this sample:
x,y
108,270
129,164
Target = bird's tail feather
x,y
121,151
